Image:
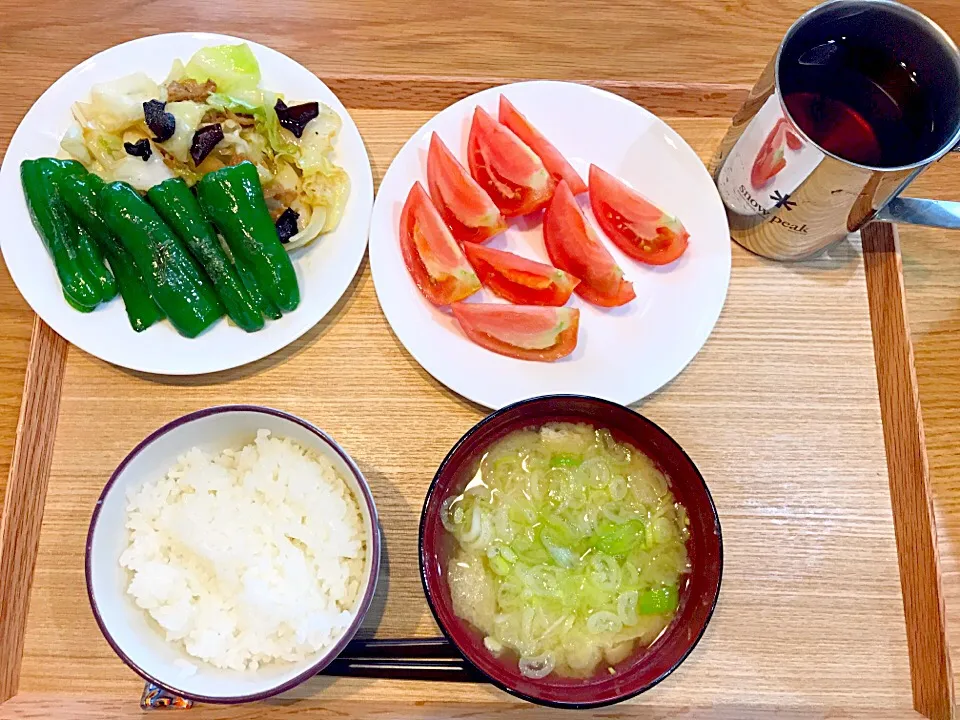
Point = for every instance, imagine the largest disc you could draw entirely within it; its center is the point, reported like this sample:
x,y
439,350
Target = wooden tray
x,y
780,411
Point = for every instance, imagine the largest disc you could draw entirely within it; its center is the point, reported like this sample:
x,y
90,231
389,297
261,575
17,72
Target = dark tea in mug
x,y
862,103
862,91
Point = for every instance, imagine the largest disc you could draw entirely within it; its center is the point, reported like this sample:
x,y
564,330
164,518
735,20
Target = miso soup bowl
x,y
645,667
131,632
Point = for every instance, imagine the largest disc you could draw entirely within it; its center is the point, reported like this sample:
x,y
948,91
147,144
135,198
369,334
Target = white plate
x,y
624,354
324,269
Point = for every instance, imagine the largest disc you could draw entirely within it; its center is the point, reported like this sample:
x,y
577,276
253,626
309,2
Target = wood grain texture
x,y
686,41
16,321
52,706
393,92
910,490
722,41
25,495
810,616
931,270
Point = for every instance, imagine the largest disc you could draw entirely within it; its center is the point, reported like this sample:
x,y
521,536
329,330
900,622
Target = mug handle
x,y
917,211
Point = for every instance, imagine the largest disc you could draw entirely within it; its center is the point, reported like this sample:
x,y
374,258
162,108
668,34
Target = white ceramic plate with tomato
x,y
623,353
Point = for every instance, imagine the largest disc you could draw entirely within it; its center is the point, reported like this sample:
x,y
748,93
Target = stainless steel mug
x,y
788,197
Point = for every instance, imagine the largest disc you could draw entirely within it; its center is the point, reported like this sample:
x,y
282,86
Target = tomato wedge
x,y
574,246
525,332
466,209
434,260
510,172
521,281
556,164
634,224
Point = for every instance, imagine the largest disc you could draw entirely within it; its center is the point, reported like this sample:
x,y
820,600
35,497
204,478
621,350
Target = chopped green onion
x,y
658,602
620,539
567,460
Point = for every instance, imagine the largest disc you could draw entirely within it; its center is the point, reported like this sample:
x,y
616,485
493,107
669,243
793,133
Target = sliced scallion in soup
x,y
569,549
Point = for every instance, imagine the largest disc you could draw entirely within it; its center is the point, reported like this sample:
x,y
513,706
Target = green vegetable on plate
x,y
233,198
177,283
74,167
259,300
80,195
81,288
173,124
89,254
234,68
176,204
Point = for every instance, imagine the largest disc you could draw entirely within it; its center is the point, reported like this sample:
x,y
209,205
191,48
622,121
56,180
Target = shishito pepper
x,y
233,198
74,167
81,288
176,282
256,295
181,211
89,253
79,193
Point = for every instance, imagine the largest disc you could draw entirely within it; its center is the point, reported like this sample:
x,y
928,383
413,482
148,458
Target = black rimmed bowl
x,y
645,667
133,635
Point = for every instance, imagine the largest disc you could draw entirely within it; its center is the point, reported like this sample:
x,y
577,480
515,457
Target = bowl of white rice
x,y
232,554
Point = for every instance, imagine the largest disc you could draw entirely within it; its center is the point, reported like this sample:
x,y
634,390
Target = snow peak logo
x,y
780,202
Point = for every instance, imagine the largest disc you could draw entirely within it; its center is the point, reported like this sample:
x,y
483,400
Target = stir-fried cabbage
x,y
570,549
188,116
233,68
219,84
118,104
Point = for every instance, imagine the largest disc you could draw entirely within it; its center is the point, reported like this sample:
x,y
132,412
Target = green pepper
x,y
660,601
73,167
233,198
79,193
80,287
181,211
256,295
88,253
176,282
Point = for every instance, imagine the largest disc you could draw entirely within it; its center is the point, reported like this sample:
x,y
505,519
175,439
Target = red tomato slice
x,y
555,163
466,209
510,172
525,332
574,246
435,261
521,281
634,224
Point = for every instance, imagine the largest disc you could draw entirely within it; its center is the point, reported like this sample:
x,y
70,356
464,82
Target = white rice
x,y
247,557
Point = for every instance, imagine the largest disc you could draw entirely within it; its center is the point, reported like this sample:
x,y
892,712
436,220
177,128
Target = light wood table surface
x,y
703,41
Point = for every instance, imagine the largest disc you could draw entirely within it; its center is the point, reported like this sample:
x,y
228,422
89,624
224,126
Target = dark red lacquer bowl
x,y
646,667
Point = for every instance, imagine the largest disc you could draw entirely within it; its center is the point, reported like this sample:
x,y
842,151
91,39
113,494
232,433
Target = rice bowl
x,y
238,597
248,556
